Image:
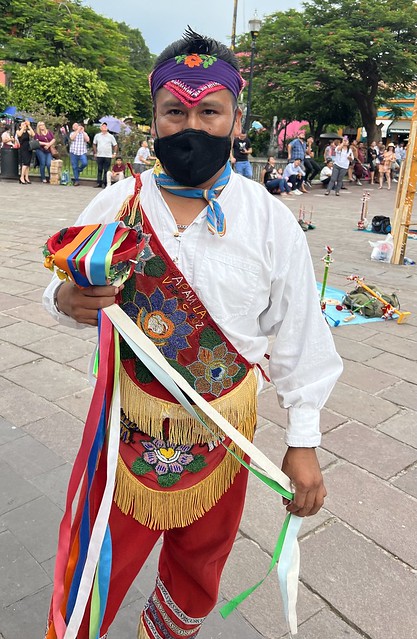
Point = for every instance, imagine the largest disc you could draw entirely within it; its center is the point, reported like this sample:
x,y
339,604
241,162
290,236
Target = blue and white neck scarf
x,y
216,221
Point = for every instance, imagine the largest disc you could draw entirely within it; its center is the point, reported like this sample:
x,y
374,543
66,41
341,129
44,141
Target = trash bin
x,y
9,162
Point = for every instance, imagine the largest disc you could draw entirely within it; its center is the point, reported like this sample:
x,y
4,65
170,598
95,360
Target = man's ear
x,y
237,129
153,127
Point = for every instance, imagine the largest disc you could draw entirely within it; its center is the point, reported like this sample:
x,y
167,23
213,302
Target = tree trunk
x,y
368,111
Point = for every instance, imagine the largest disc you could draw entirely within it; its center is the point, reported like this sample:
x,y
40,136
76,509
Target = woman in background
x,y
46,140
24,134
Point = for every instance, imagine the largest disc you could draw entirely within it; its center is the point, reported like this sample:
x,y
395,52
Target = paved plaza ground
x,y
357,555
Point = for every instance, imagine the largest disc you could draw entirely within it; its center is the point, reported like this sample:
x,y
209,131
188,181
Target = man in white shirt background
x,y
104,148
143,158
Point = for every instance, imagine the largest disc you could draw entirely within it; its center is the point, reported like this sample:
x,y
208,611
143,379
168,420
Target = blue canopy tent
x,y
12,113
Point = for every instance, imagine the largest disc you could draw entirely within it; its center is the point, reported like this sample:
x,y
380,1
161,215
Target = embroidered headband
x,y
191,77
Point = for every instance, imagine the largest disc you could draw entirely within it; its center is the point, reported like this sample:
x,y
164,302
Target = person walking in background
x,y
117,173
143,158
104,148
312,168
78,150
341,164
242,148
24,134
386,159
373,161
46,140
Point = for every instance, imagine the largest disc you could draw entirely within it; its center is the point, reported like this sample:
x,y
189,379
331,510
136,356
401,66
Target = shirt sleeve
x,y
304,364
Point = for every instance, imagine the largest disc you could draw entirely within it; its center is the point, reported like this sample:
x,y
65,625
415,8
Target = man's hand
x,y
83,304
302,467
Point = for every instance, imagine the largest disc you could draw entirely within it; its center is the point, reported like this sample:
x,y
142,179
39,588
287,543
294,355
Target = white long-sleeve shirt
x,y
256,281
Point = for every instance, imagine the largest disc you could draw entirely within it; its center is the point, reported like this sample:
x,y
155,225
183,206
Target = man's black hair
x,y
192,42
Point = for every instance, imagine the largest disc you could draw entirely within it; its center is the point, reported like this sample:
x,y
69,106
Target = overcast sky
x,y
163,21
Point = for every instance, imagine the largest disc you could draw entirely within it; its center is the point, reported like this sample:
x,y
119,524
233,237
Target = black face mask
x,y
192,156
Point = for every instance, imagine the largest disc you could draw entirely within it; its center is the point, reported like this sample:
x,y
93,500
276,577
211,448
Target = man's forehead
x,y
166,99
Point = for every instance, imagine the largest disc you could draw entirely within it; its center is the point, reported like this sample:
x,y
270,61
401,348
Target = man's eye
x,y
209,111
175,112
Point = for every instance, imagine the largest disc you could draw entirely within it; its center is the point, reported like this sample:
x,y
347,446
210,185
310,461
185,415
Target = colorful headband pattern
x,y
94,255
191,77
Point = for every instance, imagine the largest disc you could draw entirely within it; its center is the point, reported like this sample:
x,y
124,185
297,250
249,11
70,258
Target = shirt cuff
x,y
303,427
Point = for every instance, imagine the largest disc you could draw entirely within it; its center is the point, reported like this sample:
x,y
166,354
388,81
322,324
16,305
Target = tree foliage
x,y
335,58
50,32
66,89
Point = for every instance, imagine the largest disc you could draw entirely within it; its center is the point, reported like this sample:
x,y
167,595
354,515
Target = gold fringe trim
x,y
128,208
162,509
148,412
142,634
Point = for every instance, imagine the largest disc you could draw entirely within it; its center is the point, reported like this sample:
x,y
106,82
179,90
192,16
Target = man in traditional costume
x,y
225,266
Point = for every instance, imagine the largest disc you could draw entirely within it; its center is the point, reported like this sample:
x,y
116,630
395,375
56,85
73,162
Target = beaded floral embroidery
x,y
167,460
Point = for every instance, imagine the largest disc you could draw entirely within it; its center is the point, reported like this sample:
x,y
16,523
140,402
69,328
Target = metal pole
x,y
249,99
233,40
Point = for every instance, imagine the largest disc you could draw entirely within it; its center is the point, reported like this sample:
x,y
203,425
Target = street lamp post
x,y
254,27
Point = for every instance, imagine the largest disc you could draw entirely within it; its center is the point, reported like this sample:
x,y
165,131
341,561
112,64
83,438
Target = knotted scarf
x,y
216,221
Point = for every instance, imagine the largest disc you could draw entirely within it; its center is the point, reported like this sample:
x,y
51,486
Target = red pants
x,y
190,565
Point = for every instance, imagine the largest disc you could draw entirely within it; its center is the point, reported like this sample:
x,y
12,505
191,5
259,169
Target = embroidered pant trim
x,y
190,566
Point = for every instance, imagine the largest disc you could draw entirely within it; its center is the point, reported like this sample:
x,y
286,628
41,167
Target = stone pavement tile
x,y
34,276
326,625
375,508
26,618
23,333
402,427
6,320
77,404
14,261
14,490
264,514
19,406
81,364
369,449
11,356
20,574
29,457
33,312
246,566
19,288
60,432
396,344
372,590
403,394
48,379
61,348
35,526
355,351
360,406
34,295
329,420
359,332
53,483
89,333
235,626
406,330
365,378
400,367
126,621
8,432
408,481
8,302
269,408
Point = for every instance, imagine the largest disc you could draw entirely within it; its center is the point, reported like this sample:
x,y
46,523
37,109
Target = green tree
x,y
4,98
334,58
47,32
67,89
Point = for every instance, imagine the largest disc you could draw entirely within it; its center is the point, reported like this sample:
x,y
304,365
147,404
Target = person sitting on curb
x,y
326,173
117,173
274,180
295,175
